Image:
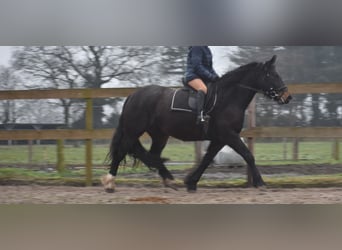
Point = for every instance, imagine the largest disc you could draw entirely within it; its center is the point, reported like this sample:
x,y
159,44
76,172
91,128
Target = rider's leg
x,y
201,88
198,84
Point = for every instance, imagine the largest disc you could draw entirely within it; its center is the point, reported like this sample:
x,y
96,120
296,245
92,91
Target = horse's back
x,y
141,106
148,96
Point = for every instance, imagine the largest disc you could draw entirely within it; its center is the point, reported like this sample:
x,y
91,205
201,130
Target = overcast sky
x,y
5,55
221,62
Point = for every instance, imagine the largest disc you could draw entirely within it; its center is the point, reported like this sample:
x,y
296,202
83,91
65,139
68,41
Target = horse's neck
x,y
237,96
243,97
233,92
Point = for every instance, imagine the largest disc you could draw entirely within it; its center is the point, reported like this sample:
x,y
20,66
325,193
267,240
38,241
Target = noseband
x,y
275,93
278,95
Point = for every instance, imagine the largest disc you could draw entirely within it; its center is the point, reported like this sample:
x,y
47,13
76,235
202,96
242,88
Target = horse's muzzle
x,y
281,96
284,97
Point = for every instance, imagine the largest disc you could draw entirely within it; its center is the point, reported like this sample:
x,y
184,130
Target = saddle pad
x,y
184,100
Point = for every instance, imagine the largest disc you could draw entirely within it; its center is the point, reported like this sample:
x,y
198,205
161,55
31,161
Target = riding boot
x,y
200,105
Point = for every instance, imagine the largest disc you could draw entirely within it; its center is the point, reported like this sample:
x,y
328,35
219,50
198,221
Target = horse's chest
x,y
231,118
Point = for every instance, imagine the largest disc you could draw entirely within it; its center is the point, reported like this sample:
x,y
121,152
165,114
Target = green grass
x,y
309,153
265,154
46,154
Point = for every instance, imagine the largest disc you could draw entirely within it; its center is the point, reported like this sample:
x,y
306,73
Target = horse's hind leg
x,y
158,144
118,153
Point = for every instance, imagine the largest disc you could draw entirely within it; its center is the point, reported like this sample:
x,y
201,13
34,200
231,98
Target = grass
x,y
265,153
46,154
309,153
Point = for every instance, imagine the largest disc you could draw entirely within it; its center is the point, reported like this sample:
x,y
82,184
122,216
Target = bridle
x,y
274,94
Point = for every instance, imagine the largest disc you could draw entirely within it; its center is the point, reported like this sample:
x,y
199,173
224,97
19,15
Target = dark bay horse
x,y
148,110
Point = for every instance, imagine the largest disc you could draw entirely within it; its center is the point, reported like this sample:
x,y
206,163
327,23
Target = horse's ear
x,y
273,60
270,63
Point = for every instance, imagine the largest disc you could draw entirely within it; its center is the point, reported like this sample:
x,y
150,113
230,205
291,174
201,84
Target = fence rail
x,y
257,132
293,132
90,134
56,134
304,88
65,93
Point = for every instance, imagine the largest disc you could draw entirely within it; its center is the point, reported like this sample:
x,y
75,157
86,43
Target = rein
x,y
251,88
214,92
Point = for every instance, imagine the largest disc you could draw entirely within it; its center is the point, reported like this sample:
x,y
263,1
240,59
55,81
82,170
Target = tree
x,y
173,63
48,72
316,64
8,80
86,66
300,64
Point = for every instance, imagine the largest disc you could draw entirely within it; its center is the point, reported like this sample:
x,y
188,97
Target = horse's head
x,y
271,83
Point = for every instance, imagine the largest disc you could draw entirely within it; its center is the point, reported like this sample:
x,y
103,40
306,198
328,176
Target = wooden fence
x,y
88,134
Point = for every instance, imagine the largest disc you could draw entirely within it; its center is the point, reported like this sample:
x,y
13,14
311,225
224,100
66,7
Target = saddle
x,y
184,100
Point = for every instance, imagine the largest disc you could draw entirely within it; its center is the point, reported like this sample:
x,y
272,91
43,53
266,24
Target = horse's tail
x,y
115,149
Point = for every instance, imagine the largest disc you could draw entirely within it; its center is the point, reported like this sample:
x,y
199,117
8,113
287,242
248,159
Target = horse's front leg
x,y
193,177
240,147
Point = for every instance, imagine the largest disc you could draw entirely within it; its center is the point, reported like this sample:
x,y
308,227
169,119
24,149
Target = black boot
x,y
200,105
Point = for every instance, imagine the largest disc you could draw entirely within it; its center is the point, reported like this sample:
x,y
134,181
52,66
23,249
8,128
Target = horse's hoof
x,y
191,191
108,183
109,190
262,188
170,184
259,182
191,188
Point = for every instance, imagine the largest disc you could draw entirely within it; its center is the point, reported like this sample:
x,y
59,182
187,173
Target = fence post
x,y
284,148
198,152
295,149
251,122
30,152
89,142
60,156
336,150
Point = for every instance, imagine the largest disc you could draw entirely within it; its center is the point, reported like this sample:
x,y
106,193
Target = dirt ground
x,y
148,195
36,194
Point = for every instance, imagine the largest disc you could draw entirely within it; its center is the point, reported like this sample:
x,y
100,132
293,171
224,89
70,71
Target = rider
x,y
199,72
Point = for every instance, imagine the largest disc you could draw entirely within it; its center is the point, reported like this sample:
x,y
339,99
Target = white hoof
x,y
108,183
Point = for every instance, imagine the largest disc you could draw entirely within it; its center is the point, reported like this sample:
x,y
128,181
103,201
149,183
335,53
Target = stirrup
x,y
202,117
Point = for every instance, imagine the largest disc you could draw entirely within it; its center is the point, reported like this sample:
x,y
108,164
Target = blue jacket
x,y
200,65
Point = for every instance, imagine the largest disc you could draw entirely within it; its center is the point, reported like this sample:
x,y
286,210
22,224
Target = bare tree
x,y
173,64
8,80
87,66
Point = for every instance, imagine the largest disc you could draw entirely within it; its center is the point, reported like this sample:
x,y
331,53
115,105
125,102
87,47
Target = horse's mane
x,y
235,76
